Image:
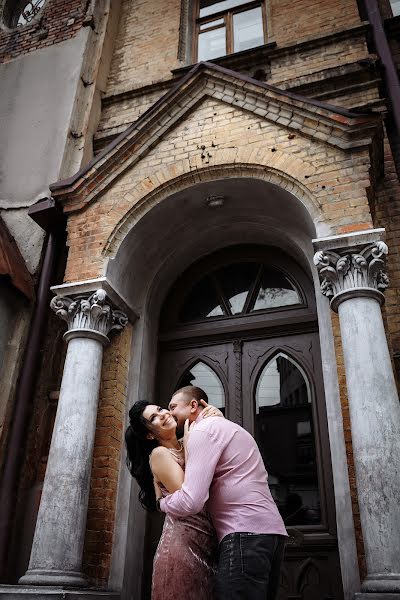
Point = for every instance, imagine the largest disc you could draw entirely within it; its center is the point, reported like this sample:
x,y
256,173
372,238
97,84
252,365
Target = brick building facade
x,y
170,162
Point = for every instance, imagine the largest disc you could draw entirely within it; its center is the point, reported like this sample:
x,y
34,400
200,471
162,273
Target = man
x,y
224,466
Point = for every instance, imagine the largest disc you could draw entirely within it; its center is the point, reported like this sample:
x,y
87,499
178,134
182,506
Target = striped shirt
x,y
225,467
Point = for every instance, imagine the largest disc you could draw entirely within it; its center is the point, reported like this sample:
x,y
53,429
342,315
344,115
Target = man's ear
x,y
194,405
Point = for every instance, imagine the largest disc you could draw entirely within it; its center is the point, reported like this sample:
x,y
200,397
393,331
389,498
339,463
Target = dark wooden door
x,y
284,408
273,387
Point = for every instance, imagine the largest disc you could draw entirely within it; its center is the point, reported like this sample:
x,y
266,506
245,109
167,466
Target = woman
x,y
184,564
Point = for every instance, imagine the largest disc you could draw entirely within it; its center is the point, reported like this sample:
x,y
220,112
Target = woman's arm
x,y
166,470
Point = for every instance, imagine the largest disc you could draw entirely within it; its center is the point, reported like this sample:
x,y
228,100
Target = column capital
x,y
352,266
89,315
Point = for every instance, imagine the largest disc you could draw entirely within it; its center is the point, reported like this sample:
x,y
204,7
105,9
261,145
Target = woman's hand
x,y
210,411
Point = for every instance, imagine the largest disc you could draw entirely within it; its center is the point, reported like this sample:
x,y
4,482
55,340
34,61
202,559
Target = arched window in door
x,y
284,431
257,283
202,376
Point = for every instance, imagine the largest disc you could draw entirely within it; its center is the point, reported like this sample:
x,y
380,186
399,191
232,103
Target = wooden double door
x,y
272,386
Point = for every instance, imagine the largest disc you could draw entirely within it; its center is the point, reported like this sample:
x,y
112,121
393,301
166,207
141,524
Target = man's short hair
x,y
192,392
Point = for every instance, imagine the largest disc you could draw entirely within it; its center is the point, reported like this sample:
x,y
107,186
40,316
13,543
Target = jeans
x,y
249,566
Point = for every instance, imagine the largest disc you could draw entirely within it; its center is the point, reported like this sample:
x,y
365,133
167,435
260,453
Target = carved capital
x,y
353,271
89,316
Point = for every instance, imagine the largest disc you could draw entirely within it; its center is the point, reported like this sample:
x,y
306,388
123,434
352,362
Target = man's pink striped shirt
x,y
224,466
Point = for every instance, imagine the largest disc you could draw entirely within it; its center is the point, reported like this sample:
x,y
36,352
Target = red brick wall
x,y
58,20
106,458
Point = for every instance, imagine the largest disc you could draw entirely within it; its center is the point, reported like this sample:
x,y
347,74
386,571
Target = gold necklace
x,y
177,450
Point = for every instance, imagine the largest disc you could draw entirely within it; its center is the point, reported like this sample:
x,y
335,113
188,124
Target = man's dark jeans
x,y
249,566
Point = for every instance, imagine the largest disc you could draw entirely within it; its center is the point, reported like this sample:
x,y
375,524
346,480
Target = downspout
x,y
50,218
385,55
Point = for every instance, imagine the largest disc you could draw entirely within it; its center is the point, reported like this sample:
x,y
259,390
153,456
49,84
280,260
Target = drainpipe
x,y
47,215
385,54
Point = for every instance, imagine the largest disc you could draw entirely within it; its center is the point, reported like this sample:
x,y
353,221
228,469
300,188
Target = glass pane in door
x,y
202,376
201,303
275,290
236,280
395,4
285,435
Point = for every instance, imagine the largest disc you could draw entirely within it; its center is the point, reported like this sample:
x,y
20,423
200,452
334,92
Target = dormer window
x,y
228,26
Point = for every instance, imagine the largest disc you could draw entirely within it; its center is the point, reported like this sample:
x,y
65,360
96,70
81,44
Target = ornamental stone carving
x,y
89,316
350,272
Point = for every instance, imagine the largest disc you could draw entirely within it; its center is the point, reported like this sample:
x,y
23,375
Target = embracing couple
x,y
223,536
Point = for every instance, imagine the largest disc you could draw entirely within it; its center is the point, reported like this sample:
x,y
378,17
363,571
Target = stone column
x,y
56,555
351,270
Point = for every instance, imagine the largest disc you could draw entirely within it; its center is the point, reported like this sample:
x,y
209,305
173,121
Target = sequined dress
x,y
185,561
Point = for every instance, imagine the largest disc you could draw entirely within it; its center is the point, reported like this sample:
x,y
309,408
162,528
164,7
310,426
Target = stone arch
x,y
142,272
278,168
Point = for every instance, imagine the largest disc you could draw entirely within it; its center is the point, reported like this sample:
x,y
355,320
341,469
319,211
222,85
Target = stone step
x,y
18,592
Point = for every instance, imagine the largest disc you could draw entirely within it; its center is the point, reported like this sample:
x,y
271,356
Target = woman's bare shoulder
x,y
159,451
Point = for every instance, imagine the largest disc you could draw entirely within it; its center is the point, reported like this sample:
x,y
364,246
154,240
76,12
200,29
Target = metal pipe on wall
x,y
385,54
49,218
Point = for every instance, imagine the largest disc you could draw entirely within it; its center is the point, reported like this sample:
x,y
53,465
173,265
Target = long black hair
x,y
139,449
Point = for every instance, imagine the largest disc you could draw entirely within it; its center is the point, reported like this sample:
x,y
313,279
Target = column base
x,y
385,583
377,596
54,578
19,592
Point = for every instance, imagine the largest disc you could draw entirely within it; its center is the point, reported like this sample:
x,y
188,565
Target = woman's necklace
x,y
177,451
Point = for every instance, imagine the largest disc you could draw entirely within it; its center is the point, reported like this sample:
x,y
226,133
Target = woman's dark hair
x,y
139,449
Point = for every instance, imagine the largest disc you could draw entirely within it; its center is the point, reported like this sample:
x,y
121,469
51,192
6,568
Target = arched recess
x,y
174,230
278,169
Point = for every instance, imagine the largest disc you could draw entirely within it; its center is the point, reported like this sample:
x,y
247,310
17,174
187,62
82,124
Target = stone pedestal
x,y
15,592
57,549
379,596
352,276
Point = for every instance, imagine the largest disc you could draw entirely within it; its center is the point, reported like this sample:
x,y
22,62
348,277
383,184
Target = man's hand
x,y
210,410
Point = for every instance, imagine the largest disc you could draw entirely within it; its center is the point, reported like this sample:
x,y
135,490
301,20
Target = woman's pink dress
x,y
185,561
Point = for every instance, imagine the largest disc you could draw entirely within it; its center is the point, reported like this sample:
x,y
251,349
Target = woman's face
x,y
160,423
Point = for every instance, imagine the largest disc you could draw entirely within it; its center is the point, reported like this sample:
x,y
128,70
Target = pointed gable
x,y
337,127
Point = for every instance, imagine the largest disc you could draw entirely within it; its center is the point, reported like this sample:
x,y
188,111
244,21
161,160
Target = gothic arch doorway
x,y
242,324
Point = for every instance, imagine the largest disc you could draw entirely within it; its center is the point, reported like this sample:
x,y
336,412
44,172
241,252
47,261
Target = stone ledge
x,y
16,592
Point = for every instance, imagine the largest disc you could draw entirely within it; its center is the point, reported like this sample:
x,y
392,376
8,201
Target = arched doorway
x,y
163,240
242,324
